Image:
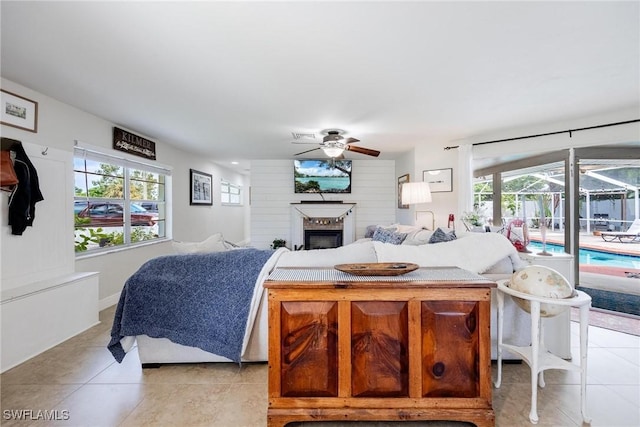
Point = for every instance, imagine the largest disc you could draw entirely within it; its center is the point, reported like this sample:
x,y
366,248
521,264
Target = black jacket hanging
x,y
22,202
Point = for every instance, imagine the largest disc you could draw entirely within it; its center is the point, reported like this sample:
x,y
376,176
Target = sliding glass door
x,y
609,245
579,201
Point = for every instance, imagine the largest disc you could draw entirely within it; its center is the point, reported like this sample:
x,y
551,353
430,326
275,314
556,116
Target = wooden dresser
x,y
410,347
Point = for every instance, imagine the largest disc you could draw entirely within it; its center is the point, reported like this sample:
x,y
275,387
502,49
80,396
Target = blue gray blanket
x,y
198,300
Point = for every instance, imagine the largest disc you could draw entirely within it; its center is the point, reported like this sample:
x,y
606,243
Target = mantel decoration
x,y
18,111
439,180
200,188
402,180
338,218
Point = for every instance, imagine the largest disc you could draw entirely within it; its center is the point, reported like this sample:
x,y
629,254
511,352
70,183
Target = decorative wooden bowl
x,y
377,268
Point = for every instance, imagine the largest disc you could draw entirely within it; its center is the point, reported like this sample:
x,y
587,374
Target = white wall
x,y
432,155
405,165
373,189
59,125
44,250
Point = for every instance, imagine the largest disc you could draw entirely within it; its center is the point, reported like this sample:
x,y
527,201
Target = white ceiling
x,y
233,80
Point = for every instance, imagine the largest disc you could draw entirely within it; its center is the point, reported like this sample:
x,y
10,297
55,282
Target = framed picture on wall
x,y
19,112
440,180
402,180
201,188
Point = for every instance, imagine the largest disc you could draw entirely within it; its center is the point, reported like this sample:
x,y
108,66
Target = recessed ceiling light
x,y
234,163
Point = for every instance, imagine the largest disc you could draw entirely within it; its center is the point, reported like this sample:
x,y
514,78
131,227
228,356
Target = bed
x,y
204,303
171,307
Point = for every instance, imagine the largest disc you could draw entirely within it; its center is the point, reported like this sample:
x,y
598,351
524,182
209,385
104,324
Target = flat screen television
x,y
322,176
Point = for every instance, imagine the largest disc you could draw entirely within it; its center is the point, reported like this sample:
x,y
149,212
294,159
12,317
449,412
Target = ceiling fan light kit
x,y
333,151
334,144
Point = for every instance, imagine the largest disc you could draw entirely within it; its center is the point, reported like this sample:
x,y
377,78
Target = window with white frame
x,y
230,194
117,202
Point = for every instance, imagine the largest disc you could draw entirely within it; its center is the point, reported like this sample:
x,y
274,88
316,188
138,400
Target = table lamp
x,y
414,193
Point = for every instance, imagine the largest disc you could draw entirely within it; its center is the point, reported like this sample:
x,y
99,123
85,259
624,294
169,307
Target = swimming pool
x,y
591,257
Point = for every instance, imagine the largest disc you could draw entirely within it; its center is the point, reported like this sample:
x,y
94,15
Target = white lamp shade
x,y
416,192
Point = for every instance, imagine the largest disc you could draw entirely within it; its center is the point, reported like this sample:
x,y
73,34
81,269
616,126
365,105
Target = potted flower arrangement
x,y
475,220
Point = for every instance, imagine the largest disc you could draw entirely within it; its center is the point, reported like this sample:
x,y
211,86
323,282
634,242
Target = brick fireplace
x,y
322,225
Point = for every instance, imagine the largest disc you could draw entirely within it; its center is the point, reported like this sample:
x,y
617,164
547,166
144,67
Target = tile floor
x,y
79,378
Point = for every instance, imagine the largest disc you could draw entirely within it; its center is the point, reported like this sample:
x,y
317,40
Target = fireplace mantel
x,y
306,202
300,211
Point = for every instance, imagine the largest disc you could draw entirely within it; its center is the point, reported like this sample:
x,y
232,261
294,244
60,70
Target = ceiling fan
x,y
334,145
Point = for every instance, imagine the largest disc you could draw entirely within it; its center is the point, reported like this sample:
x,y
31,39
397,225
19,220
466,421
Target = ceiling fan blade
x,y
305,142
308,151
362,150
351,140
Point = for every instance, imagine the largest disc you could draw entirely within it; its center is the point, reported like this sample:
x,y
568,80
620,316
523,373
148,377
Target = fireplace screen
x,y
322,239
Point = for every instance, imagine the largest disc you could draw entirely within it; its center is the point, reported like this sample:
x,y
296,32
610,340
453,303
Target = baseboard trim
x,y
108,301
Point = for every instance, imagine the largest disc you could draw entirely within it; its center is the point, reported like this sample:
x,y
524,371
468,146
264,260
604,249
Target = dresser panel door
x,y
379,349
450,349
309,349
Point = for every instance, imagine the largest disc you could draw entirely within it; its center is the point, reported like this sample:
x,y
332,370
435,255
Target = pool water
x,y
591,257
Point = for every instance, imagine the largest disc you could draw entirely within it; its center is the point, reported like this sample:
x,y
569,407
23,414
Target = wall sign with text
x,y
133,144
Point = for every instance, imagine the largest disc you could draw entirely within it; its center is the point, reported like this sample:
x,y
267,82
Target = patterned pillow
x,y
388,236
369,231
440,235
372,229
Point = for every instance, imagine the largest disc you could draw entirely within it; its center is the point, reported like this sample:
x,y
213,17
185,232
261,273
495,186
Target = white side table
x,y
536,355
558,338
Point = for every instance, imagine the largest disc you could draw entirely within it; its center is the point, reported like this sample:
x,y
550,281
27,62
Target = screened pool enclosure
x,y
571,200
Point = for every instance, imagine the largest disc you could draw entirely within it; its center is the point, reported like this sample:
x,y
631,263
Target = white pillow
x,y
215,243
400,228
420,237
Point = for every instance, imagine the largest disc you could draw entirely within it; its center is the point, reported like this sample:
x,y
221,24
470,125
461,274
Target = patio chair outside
x,y
631,235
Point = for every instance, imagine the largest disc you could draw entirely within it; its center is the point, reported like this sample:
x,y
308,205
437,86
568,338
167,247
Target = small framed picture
x,y
402,180
18,111
440,180
201,188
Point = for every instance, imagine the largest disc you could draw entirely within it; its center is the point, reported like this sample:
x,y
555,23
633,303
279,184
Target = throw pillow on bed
x,y
418,238
440,235
215,243
387,236
368,234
